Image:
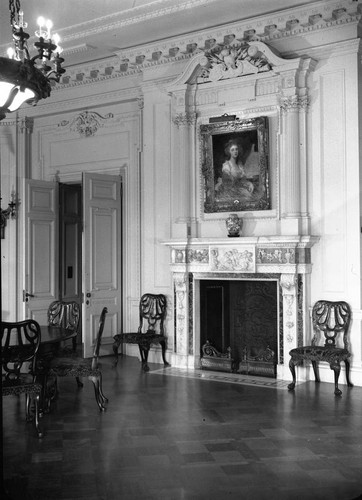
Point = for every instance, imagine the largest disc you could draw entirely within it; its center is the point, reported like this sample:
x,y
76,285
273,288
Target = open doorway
x,y
70,245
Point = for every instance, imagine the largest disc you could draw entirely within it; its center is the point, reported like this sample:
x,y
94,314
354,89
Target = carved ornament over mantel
x,y
243,255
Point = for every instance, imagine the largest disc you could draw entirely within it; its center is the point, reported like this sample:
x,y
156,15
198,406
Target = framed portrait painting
x,y
235,165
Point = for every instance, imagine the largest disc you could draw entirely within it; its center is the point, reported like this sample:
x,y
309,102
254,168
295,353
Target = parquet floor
x,y
170,437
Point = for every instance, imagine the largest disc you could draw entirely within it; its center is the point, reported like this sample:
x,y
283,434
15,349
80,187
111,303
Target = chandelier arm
x,y
25,78
10,99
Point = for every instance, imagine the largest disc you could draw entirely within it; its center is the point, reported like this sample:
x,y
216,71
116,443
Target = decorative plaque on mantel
x,y
233,258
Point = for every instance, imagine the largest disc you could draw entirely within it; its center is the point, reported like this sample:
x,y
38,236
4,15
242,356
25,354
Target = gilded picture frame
x,y
235,165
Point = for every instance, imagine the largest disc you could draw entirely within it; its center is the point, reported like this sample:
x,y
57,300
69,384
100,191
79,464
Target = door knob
x,y
26,296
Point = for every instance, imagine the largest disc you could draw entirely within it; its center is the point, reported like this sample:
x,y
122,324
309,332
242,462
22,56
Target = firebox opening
x,y
239,323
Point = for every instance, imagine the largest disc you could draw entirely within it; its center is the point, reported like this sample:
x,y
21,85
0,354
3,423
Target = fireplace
x,y
239,322
281,263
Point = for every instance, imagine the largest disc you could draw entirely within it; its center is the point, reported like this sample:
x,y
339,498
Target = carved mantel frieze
x,y
285,255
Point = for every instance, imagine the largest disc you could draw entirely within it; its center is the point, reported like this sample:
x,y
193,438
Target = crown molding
x,y
287,24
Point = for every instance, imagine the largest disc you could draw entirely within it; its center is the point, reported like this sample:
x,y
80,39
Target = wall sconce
x,y
7,213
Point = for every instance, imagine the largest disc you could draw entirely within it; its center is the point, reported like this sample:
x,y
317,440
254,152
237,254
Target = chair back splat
x,y
333,320
66,315
20,343
152,311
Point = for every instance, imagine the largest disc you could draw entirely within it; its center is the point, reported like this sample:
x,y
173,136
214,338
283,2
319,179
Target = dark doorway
x,y
70,243
242,315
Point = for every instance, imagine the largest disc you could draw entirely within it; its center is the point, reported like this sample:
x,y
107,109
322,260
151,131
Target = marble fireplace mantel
x,y
285,259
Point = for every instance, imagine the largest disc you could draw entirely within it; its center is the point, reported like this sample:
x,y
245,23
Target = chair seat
x,y
320,353
22,385
71,366
143,339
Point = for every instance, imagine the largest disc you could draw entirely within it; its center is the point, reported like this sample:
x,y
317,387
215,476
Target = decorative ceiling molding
x,y
268,29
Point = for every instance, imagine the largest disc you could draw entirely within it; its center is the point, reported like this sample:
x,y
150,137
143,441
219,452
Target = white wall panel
x,y
333,179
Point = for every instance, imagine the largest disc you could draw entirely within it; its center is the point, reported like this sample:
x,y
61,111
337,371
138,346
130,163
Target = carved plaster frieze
x,y
182,256
200,256
233,259
292,103
182,119
276,255
87,123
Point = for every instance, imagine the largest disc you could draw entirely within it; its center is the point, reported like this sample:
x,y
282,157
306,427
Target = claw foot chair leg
x,y
337,369
115,348
291,386
163,350
144,358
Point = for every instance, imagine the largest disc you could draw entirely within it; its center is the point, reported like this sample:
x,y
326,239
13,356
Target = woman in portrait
x,y
233,183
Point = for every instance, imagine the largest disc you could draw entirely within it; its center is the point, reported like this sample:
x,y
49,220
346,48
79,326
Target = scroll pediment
x,y
237,59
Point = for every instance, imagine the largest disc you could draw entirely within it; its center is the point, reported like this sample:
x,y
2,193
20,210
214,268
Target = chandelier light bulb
x,y
11,53
56,38
49,26
21,23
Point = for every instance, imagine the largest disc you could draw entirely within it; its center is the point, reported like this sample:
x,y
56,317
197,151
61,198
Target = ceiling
x,y
95,29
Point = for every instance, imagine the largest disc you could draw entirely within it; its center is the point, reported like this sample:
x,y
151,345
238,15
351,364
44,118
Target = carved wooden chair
x,y
71,365
331,318
65,314
19,347
152,313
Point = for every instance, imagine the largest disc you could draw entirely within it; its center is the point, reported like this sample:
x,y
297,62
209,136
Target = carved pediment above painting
x,y
222,62
237,59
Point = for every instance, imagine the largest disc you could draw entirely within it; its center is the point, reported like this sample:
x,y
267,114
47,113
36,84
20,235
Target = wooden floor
x,y
169,437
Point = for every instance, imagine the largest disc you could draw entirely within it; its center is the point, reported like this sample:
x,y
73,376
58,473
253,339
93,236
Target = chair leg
x,y
37,426
79,382
116,344
29,417
163,347
27,407
100,398
336,367
144,357
316,371
349,383
292,364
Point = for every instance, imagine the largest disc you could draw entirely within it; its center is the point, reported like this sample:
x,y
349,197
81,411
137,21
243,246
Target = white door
x,y
102,261
41,245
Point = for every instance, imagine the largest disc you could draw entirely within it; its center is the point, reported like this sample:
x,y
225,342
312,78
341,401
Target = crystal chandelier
x,y
24,78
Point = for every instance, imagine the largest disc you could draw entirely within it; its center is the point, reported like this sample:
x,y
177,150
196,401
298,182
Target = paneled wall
x,y
144,125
